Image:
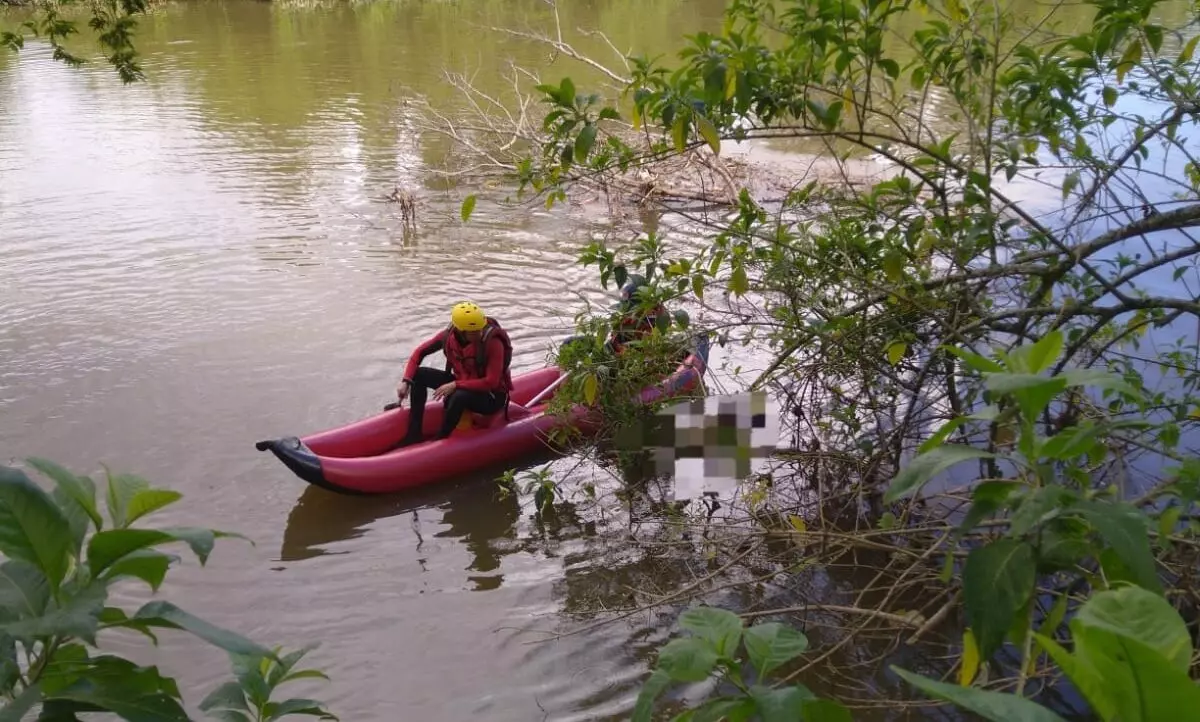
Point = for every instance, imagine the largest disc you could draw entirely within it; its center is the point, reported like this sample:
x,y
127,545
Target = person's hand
x,y
402,389
444,390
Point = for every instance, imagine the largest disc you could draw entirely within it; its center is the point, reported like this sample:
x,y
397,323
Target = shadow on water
x,y
471,506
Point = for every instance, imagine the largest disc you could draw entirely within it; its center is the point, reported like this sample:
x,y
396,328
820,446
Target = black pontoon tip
x,y
297,457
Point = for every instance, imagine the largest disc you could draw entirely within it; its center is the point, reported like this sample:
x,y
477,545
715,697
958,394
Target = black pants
x,y
481,402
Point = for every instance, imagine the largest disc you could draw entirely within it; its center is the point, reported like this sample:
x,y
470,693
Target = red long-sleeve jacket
x,y
463,362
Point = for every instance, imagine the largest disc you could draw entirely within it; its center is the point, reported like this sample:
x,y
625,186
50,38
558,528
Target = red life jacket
x,y
469,360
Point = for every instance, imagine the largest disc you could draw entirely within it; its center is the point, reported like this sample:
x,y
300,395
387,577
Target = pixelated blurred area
x,y
706,444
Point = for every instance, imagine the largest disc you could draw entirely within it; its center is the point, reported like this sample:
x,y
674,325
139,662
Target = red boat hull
x,y
362,458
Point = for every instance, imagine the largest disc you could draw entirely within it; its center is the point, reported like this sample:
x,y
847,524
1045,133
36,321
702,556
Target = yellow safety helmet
x,y
466,316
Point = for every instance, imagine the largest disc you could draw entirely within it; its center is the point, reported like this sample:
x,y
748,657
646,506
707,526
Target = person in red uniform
x,y
476,378
633,324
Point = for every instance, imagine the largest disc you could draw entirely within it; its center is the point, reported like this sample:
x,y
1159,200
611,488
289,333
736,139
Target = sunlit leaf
x,y
468,207
895,352
1143,616
709,133
970,659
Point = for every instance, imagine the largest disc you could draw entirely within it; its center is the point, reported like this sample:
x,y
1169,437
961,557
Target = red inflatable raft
x,y
362,458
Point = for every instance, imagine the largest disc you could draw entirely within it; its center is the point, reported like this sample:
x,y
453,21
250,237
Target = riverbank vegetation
x,y
1009,302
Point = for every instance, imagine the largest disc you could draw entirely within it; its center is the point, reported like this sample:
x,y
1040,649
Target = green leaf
x,y
584,142
1105,380
1143,616
993,706
121,490
1139,684
709,133
609,113
589,389
1126,531
1036,505
722,709
997,581
227,696
312,708
24,590
165,614
653,687
147,565
32,527
119,698
229,715
780,704
468,207
893,265
79,489
106,547
825,710
1110,96
1071,442
1043,353
15,710
148,501
738,282
1069,183
928,465
1132,55
772,645
77,616
719,627
688,660
891,67
974,361
1033,393
10,669
679,132
895,352
1185,55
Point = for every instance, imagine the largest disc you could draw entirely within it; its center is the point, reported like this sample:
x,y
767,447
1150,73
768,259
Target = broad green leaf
x,y
115,617
997,581
107,547
227,696
895,352
974,361
1035,505
229,715
468,207
970,659
309,707
987,498
1110,96
993,706
1168,521
928,465
148,501
155,707
1141,684
32,527
77,519
687,660
1097,378
825,710
584,142
78,616
780,704
722,709
739,283
589,389
1069,183
941,434
165,614
24,590
121,490
304,674
651,689
679,132
79,489
1185,55
1071,442
1043,353
1143,616
893,265
719,627
1126,530
16,710
1032,392
709,133
147,565
1132,55
772,645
